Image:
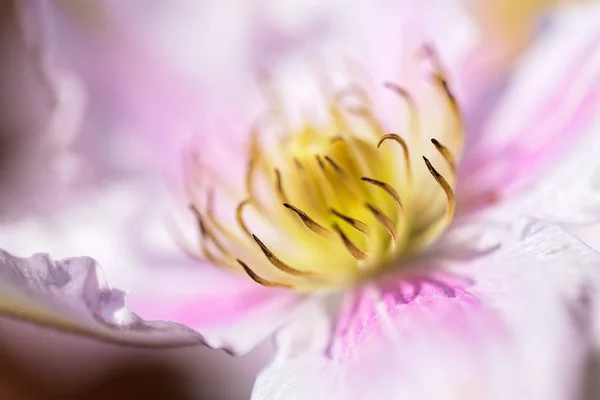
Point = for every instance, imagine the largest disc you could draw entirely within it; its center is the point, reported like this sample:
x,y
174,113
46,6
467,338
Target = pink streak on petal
x,y
499,171
415,305
209,310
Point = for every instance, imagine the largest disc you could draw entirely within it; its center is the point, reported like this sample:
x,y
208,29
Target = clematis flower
x,y
373,224
386,235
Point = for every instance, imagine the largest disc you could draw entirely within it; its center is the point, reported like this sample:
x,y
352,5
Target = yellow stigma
x,y
336,201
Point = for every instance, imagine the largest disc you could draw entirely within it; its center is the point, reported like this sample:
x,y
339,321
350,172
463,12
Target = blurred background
x,y
96,98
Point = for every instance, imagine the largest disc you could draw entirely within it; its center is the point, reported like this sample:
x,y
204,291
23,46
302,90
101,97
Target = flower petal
x,y
72,295
125,228
504,337
544,124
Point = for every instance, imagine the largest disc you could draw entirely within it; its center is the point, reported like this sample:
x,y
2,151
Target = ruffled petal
x,y
504,335
126,229
72,295
544,125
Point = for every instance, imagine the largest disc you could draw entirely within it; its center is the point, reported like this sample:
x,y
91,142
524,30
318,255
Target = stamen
x,y
320,162
252,163
447,189
350,185
351,247
308,221
334,165
279,186
405,151
239,215
327,190
445,153
384,220
440,77
277,263
208,236
298,164
387,188
260,280
412,107
198,216
335,139
356,224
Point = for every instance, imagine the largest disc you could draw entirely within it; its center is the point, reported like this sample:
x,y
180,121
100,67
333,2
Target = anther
x,y
252,163
279,186
405,151
356,224
384,220
386,188
308,221
277,263
199,220
239,217
446,187
412,106
443,150
350,246
260,280
320,162
207,236
334,164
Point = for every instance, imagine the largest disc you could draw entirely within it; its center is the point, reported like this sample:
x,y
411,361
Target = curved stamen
x,y
350,246
412,107
445,153
218,225
239,217
405,151
356,224
389,189
439,76
260,280
384,220
207,236
308,221
254,153
447,189
279,186
277,263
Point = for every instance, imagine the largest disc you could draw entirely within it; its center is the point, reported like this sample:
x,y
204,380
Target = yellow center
x,y
340,200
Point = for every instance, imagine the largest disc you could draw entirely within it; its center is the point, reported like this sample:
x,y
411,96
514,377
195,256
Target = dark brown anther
x,y
386,188
351,247
356,224
443,150
277,263
262,281
384,220
308,221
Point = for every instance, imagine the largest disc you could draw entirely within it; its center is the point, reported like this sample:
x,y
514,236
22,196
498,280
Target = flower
x,y
496,293
326,213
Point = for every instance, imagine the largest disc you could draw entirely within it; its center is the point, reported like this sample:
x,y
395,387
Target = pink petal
x,y
503,337
71,295
545,116
232,313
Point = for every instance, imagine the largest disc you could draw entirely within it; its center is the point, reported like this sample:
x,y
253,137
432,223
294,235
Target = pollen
x,y
332,202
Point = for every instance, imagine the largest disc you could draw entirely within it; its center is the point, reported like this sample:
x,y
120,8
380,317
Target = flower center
x,y
336,201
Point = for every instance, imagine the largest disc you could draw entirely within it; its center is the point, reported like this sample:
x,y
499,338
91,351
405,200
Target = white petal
x,y
524,332
72,295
